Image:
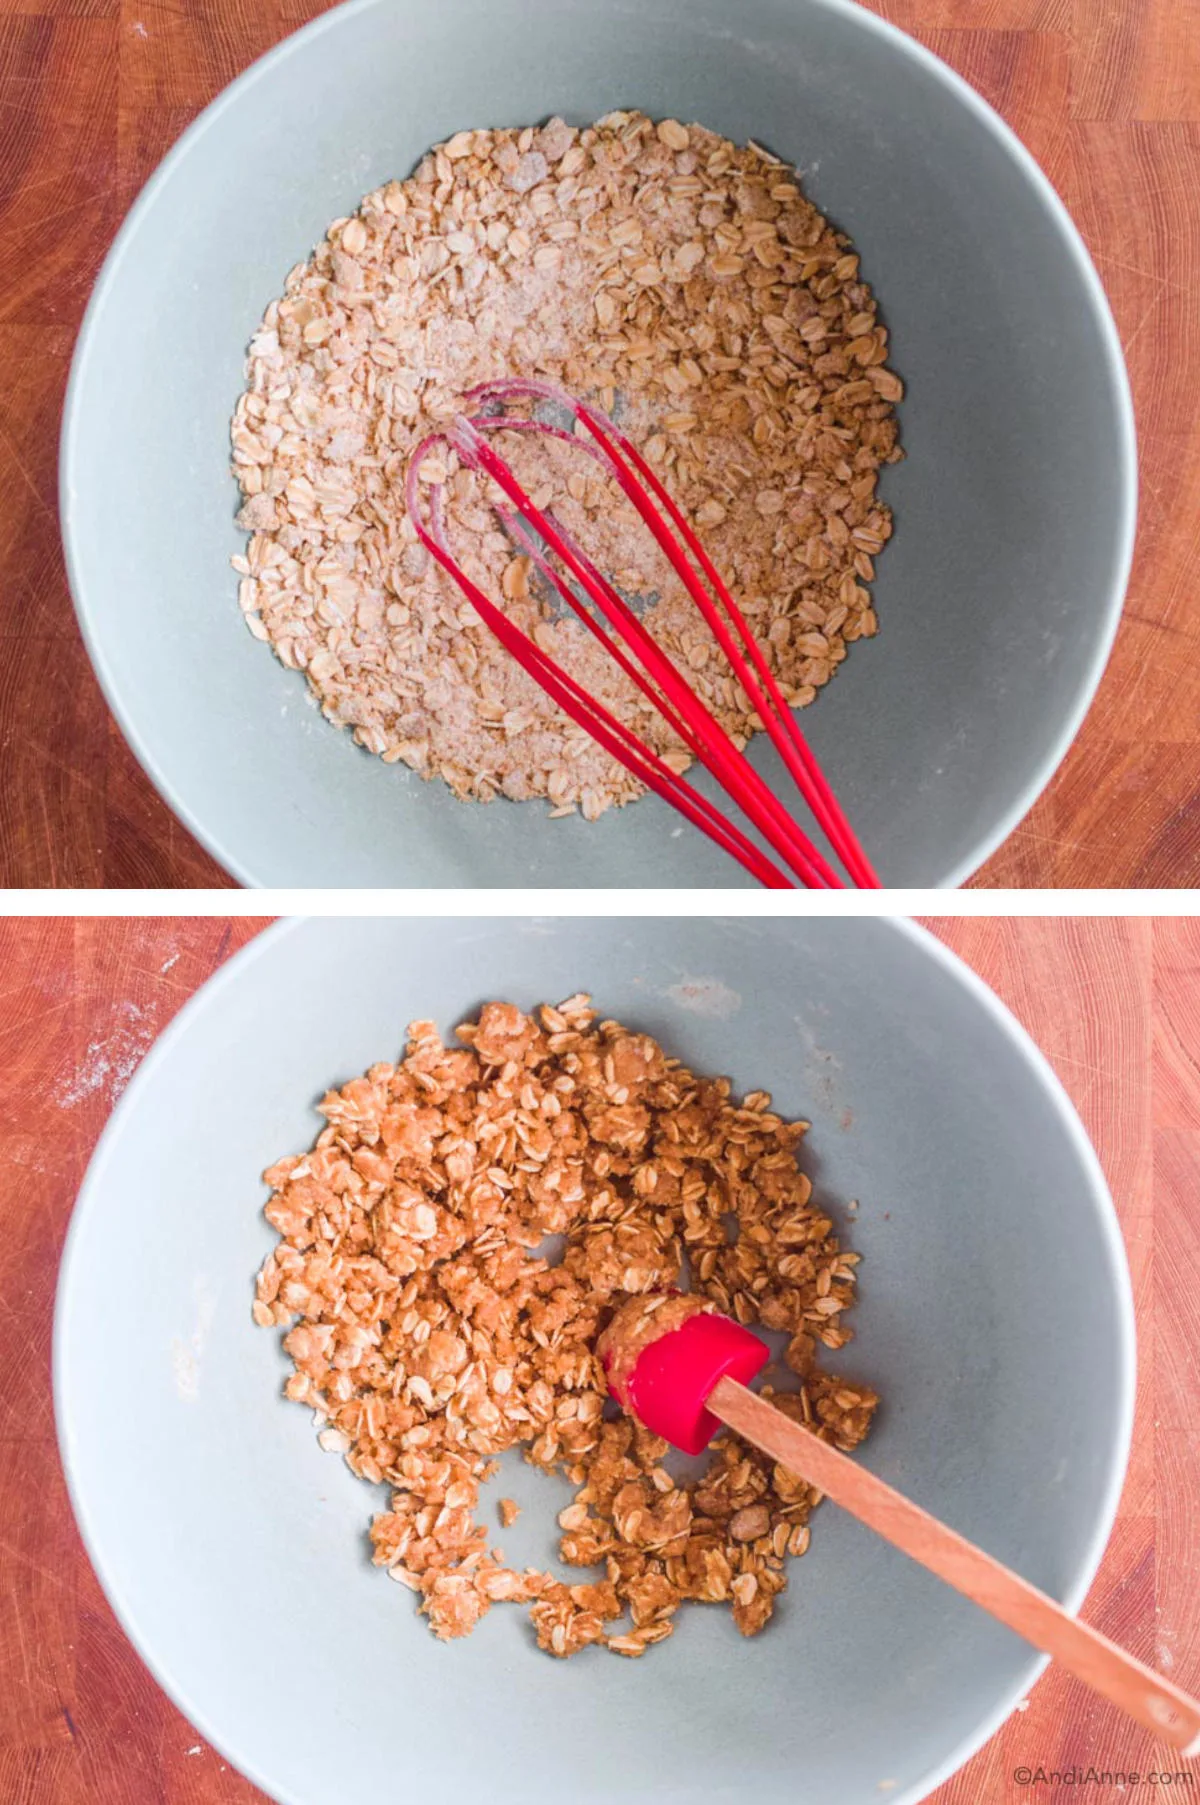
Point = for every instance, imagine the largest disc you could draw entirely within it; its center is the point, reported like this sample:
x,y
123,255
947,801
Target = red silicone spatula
x,y
683,1373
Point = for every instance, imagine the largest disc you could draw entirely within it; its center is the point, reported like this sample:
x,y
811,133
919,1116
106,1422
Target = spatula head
x,y
669,1381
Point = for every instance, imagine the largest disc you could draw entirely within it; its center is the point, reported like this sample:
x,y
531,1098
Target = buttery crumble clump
x,y
660,270
631,1329
429,1336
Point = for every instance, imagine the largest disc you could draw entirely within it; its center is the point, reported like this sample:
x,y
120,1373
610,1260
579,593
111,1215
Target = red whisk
x,y
636,651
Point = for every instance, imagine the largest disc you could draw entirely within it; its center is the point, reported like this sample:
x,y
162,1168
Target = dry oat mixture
x,y
429,1336
661,271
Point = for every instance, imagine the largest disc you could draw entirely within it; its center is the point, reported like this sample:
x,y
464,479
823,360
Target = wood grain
x,y
1114,1004
1105,92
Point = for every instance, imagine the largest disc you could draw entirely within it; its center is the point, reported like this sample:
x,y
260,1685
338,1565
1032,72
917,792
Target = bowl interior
x,y
993,1316
997,597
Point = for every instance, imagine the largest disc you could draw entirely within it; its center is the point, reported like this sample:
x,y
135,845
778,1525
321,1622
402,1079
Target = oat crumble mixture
x,y
673,278
429,1336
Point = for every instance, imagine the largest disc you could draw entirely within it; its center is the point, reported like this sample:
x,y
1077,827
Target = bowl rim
x,y
1086,1563
1125,447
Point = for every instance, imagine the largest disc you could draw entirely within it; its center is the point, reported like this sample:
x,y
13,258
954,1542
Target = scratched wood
x,y
1114,1004
1105,92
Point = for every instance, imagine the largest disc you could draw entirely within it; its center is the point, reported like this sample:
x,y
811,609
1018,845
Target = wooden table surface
x,y
1106,93
1115,1005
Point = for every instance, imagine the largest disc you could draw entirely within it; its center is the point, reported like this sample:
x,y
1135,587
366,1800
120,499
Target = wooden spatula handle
x,y
1137,1689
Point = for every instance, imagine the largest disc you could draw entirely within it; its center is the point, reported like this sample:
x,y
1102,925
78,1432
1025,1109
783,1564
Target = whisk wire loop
x,y
633,648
